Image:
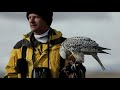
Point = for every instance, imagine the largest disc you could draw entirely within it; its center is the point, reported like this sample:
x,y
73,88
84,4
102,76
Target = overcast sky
x,y
103,27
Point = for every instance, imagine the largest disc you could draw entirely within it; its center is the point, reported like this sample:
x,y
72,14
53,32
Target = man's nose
x,y
31,20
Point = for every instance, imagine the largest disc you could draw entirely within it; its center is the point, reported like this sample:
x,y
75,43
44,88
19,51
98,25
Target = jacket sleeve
x,y
10,67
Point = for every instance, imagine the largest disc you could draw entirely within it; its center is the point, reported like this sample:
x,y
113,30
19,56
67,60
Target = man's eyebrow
x,y
34,16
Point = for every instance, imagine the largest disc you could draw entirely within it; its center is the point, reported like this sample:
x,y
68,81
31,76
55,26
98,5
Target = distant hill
x,y
92,74
103,74
2,74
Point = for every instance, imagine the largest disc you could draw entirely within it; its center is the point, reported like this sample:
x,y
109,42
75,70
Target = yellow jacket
x,y
41,55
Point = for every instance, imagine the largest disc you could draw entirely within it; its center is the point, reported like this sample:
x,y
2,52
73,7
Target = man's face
x,y
37,24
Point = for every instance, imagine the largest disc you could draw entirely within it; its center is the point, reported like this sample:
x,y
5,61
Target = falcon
x,y
80,46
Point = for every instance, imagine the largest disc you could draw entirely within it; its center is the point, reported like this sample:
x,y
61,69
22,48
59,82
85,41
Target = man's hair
x,y
46,14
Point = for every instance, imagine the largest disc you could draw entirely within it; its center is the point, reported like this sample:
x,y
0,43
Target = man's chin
x,y
33,30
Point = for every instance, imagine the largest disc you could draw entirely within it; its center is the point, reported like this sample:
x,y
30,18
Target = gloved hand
x,y
73,70
22,67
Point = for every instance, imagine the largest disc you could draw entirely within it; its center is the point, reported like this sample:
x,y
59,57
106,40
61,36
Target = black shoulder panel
x,y
18,45
22,42
58,40
63,39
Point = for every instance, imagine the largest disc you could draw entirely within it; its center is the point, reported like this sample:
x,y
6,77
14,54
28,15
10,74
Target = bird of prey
x,y
80,46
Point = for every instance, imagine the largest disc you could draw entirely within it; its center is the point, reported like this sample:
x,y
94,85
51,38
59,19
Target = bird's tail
x,y
97,58
100,49
104,52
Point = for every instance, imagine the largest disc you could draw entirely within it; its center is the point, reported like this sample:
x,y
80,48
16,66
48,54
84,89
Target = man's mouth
x,y
33,25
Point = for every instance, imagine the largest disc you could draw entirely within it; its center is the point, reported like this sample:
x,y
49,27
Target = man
x,y
41,59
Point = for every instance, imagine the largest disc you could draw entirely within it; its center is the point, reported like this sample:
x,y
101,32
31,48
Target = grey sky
x,y
103,27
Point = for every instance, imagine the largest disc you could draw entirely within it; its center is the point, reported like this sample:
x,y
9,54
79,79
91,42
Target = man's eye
x,y
37,17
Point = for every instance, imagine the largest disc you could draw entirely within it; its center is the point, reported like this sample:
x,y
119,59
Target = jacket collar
x,y
30,40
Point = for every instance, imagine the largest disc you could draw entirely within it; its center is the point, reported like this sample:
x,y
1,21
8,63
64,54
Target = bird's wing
x,y
79,56
97,58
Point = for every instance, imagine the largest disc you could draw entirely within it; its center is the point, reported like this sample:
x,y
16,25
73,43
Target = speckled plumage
x,y
80,46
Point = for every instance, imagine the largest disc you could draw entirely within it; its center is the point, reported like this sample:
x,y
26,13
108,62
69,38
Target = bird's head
x,y
64,53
